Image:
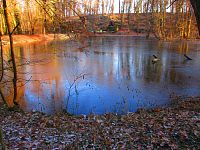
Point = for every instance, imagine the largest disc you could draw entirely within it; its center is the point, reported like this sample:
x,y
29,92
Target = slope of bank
x,y
27,39
24,39
175,127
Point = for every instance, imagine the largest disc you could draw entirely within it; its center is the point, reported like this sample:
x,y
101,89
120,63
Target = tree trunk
x,y
45,19
1,140
1,58
119,6
12,55
196,7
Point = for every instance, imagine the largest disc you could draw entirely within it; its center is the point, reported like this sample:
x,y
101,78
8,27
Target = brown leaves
x,y
163,128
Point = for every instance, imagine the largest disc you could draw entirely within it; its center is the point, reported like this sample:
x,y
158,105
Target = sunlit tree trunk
x,y
148,19
112,7
17,18
188,20
30,18
119,6
45,19
122,13
103,7
1,59
129,12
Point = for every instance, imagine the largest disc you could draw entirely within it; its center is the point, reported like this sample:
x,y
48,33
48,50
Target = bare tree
x,y
12,54
196,5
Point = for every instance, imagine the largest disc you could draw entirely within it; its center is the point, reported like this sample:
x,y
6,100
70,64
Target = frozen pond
x,y
113,74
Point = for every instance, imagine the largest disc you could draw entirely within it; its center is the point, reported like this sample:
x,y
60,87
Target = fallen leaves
x,y
175,127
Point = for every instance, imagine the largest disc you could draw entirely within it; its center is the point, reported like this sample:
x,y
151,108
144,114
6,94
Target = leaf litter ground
x,y
174,127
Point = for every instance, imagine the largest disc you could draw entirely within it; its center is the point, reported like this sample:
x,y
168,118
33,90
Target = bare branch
x,y
171,4
15,28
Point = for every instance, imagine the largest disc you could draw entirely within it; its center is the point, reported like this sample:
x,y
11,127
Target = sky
x,y
116,4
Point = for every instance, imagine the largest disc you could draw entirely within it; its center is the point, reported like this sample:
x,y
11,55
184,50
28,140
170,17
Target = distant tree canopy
x,y
57,16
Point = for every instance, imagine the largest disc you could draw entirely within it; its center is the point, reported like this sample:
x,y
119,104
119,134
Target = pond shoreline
x,y
142,35
28,39
121,33
173,127
36,38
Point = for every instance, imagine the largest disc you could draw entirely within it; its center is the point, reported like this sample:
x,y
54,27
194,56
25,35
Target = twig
x,y
15,28
26,82
171,4
72,84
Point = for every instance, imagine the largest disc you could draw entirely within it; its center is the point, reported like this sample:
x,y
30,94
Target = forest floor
x,y
173,127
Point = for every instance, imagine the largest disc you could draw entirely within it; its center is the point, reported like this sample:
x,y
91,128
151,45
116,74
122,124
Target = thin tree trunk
x,y
2,66
11,52
122,13
3,98
2,73
2,70
45,19
188,22
1,140
119,6
129,13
